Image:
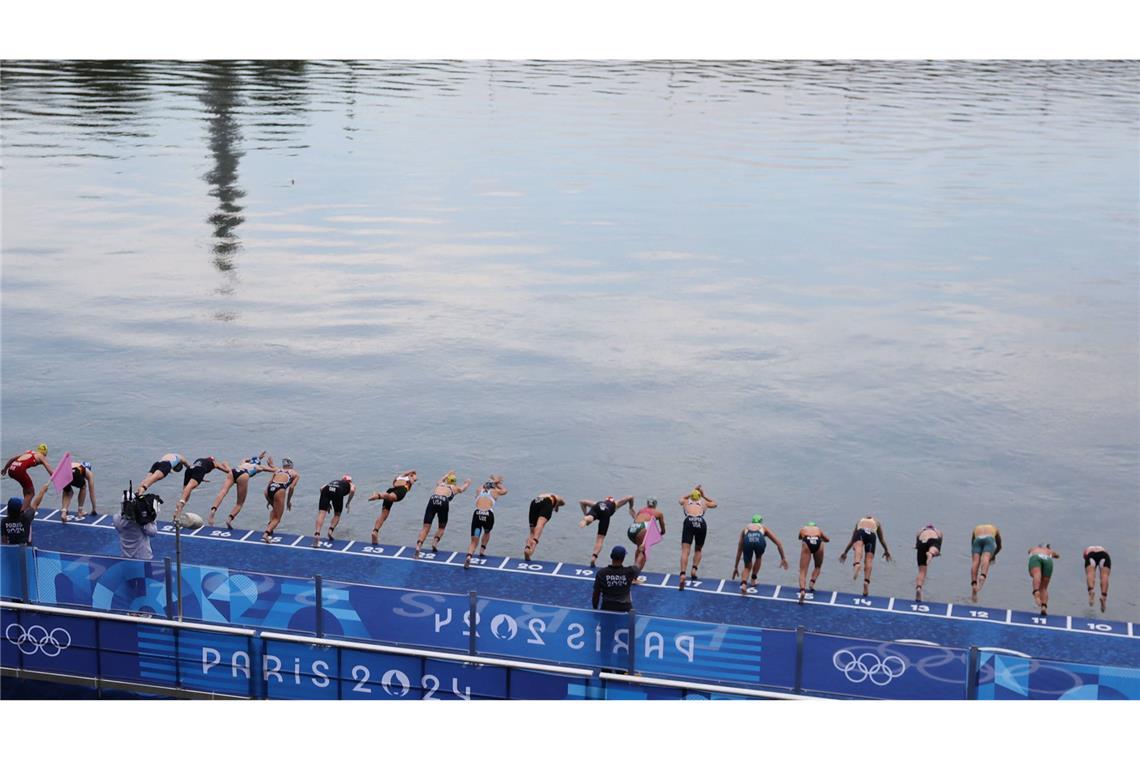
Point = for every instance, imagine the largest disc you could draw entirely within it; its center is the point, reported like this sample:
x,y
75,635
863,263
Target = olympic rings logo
x,y
868,666
37,639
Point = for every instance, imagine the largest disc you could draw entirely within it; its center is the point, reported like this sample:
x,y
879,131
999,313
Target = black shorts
x,y
438,507
195,473
399,492
162,466
78,480
330,500
1100,559
694,529
602,517
272,489
922,547
482,522
540,508
868,538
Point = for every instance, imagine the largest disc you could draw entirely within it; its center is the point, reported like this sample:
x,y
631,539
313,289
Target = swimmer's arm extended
x,y
43,460
854,537
776,541
39,497
558,501
464,487
625,500
739,551
292,488
823,535
661,520
882,540
997,542
585,505
351,493
632,513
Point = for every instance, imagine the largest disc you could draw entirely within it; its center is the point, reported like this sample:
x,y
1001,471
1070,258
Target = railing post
x,y
169,588
27,559
317,626
471,622
631,667
798,688
972,658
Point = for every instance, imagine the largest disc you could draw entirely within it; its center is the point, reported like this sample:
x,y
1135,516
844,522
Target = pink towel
x,y
62,475
652,536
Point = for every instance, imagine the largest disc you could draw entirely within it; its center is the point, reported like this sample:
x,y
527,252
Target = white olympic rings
x,y
868,666
37,639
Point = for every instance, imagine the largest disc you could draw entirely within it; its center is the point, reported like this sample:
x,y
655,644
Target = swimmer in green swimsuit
x,y
1041,572
985,543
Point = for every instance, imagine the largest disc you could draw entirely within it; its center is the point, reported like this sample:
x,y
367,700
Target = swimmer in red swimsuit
x,y
17,469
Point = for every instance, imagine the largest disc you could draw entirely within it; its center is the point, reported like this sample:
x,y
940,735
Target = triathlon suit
x,y
694,527
165,464
332,495
399,491
18,471
614,584
275,486
867,536
754,545
922,547
78,478
199,470
984,544
1043,561
812,542
1098,557
636,529
543,507
250,470
438,506
602,511
483,520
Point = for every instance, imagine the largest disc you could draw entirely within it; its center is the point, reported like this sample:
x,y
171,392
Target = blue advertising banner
x,y
221,595
397,616
49,643
552,634
100,583
1007,677
860,668
12,572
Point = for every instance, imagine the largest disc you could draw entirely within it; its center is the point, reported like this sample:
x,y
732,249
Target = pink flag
x,y
62,475
652,536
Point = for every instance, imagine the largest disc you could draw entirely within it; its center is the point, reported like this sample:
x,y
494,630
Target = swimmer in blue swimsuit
x,y
753,541
863,538
813,539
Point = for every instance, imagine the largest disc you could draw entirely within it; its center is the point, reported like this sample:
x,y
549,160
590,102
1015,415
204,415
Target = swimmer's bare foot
x,y
1092,596
435,546
855,574
267,537
1103,601
63,517
918,593
593,560
210,519
811,585
681,585
375,538
866,587
800,600
230,522
743,587
81,514
973,591
316,540
693,574
416,551
467,562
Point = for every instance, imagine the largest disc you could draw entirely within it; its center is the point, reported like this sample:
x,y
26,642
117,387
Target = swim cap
x,y
42,448
930,526
254,460
652,503
347,477
287,463
811,524
450,478
618,552
757,519
87,466
695,494
488,485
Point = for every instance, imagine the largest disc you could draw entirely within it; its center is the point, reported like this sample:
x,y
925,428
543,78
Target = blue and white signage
x,y
859,668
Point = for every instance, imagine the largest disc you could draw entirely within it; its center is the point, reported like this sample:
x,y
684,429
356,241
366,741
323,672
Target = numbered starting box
x,y
217,533
844,599
380,550
791,593
1092,625
935,609
520,565
970,612
490,561
1031,618
576,571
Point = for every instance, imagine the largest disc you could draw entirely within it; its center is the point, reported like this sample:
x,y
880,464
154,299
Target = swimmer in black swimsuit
x,y
438,507
160,470
195,476
332,499
279,496
239,476
927,545
867,530
600,512
83,478
483,518
693,529
542,508
1097,557
401,484
812,550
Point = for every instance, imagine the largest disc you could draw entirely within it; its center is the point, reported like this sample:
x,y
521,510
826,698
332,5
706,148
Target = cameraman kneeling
x,y
136,524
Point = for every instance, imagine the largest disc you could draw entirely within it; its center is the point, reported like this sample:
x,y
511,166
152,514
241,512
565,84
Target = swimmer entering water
x,y
751,546
279,496
332,498
600,512
195,476
17,469
985,543
239,476
542,508
438,507
1096,557
640,527
693,529
401,484
863,539
811,550
483,518
927,546
1041,572
160,470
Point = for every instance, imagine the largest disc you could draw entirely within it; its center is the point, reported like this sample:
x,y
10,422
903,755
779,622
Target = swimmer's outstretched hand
x,y
735,573
783,564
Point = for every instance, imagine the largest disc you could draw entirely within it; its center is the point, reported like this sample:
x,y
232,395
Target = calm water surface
x,y
819,289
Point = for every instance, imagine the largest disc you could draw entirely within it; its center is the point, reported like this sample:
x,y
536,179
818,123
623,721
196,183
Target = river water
x,y
820,289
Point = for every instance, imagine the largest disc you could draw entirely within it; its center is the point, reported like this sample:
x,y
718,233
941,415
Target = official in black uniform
x,y
613,583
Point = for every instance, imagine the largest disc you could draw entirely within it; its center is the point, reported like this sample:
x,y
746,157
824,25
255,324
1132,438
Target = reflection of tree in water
x,y
220,98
